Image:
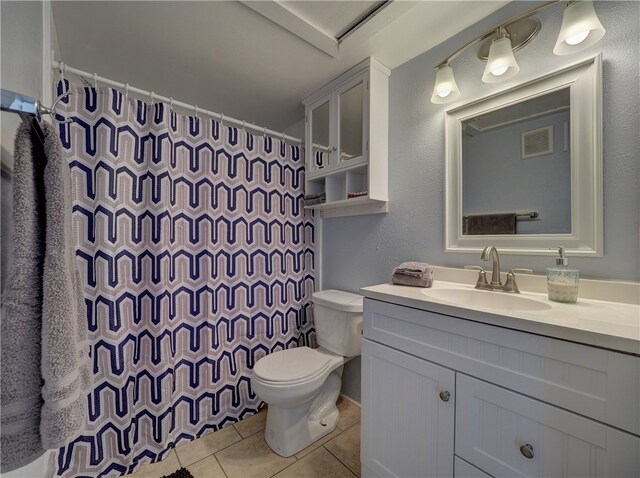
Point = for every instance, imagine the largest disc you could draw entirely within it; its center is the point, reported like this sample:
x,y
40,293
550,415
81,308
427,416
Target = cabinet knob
x,y
444,396
527,451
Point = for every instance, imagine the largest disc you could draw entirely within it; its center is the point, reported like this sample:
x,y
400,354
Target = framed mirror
x,y
524,167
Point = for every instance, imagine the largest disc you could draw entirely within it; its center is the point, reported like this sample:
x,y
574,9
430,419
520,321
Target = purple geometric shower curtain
x,y
197,260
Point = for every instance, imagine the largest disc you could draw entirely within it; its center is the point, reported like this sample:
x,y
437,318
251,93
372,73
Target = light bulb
x,y
501,63
580,28
445,88
444,92
577,38
499,70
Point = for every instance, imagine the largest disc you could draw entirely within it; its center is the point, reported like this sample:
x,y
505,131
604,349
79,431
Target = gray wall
x,y
21,72
495,178
362,250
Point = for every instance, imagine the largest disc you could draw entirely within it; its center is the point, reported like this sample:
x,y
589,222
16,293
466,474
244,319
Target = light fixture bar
x,y
491,32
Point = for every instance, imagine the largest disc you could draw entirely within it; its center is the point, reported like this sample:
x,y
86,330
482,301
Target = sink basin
x,y
485,299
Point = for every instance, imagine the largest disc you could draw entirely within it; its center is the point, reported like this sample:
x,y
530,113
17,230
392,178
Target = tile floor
x,y
239,450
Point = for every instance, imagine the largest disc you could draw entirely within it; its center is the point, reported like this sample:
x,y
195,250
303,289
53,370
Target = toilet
x,y
301,385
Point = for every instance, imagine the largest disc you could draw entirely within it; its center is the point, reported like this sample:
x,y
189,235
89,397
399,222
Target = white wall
x,y
362,250
24,43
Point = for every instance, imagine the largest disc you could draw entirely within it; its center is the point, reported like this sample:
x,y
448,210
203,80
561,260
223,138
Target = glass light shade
x,y
501,63
580,28
446,88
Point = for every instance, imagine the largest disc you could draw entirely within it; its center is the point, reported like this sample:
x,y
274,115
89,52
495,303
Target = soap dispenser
x,y
562,282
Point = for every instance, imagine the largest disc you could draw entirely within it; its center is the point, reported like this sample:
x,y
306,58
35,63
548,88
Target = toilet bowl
x,y
301,385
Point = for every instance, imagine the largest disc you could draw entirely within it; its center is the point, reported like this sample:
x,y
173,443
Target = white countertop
x,y
610,325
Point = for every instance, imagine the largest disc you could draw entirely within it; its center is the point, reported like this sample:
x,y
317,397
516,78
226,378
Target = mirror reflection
x,y
351,123
516,168
320,136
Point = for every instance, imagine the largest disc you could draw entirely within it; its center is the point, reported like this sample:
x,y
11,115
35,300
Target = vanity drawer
x,y
597,383
508,435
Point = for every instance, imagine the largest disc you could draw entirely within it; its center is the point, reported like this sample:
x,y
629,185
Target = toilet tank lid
x,y
339,300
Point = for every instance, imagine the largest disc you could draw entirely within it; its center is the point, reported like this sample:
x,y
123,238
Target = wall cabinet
x,y
346,142
517,404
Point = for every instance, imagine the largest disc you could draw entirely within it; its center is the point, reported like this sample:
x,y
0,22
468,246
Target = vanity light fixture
x,y
446,88
580,29
501,63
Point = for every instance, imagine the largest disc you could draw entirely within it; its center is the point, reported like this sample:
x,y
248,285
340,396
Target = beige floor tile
x,y
318,443
207,445
207,468
346,448
155,470
317,464
252,424
349,413
251,458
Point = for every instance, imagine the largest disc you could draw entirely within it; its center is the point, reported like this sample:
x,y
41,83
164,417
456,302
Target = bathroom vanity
x,y
513,385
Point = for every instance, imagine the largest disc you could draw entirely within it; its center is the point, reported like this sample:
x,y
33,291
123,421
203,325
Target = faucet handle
x,y
482,276
510,284
520,271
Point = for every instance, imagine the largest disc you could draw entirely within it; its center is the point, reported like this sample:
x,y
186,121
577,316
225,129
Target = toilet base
x,y
290,430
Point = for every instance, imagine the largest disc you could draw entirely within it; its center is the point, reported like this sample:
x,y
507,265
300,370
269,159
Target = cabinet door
x,y
352,123
319,141
462,469
509,435
407,426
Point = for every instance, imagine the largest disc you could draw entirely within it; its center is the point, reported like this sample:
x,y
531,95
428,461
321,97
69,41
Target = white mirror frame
x,y
584,80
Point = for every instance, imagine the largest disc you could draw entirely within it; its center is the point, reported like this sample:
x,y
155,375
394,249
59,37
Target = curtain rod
x,y
63,68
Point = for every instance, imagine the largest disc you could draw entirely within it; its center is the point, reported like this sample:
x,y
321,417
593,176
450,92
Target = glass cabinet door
x,y
320,146
351,125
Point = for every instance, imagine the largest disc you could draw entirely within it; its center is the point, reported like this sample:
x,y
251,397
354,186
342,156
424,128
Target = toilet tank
x,y
338,321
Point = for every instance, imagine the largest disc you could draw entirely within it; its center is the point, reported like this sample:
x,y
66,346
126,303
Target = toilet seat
x,y
297,365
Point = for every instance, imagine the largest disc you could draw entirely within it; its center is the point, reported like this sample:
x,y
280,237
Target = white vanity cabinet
x,y
518,404
346,142
408,428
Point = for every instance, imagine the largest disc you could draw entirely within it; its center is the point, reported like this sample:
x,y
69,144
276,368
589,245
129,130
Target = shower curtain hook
x,y
264,132
126,91
243,125
222,119
62,68
153,98
283,136
95,81
196,108
171,102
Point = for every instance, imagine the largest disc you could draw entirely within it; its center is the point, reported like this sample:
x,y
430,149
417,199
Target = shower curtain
x,y
197,259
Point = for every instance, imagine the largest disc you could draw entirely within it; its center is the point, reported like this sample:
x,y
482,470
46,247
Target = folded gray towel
x,y
403,279
46,373
415,269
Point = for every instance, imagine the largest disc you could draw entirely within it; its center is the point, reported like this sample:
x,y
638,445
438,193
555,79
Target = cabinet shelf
x,y
351,207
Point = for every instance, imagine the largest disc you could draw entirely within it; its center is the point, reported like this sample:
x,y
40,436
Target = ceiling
x,y
251,60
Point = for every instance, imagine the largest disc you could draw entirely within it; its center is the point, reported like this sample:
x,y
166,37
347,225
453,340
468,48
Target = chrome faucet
x,y
491,253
